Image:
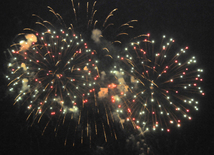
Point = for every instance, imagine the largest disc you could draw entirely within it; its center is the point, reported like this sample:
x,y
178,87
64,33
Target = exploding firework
x,y
53,73
156,86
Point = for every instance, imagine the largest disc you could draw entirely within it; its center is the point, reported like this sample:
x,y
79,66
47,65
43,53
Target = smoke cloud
x,y
96,34
103,93
24,84
26,44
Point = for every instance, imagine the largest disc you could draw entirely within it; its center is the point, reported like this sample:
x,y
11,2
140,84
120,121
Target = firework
x,y
54,73
50,71
158,86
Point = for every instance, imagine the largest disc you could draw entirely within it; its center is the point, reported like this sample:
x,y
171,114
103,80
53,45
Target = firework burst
x,y
158,86
54,73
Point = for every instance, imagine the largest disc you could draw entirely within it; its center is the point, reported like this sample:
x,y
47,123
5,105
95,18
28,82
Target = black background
x,y
189,22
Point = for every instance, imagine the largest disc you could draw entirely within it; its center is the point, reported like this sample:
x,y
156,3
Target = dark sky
x,y
189,22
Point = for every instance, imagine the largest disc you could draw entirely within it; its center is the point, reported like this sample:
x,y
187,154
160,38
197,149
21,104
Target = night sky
x,y
189,22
